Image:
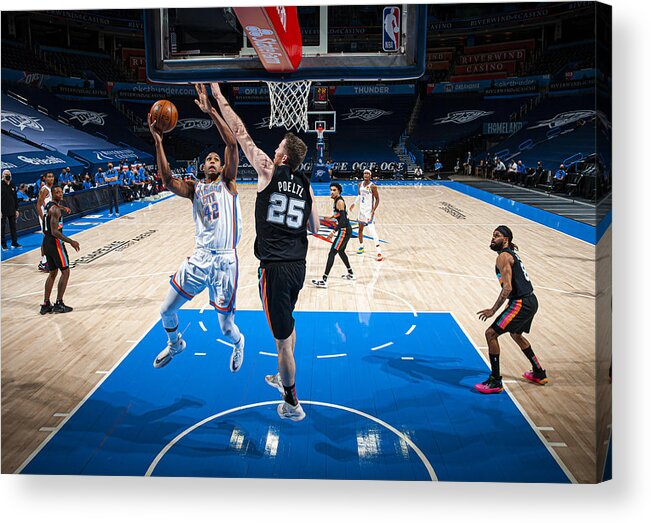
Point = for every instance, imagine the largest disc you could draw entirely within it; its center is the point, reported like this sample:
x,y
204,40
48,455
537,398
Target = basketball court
x,y
385,364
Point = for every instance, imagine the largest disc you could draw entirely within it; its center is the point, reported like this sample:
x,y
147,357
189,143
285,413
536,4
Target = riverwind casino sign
x,y
500,20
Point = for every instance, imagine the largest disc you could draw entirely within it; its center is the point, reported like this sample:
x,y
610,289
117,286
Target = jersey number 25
x,y
285,211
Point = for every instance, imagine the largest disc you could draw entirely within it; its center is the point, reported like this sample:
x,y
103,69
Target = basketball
x,y
164,113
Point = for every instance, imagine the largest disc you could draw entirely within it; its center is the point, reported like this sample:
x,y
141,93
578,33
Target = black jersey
x,y
342,216
282,210
47,228
519,278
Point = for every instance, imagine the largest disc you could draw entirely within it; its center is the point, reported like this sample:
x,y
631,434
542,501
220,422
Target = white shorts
x,y
216,270
365,216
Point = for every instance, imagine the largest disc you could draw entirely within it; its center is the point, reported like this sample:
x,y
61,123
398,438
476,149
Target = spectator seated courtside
x,y
558,182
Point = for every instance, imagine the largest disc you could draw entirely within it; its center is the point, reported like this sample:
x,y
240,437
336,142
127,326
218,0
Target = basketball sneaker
x,y
275,382
360,250
536,377
320,283
287,411
61,308
492,385
237,356
43,267
379,256
348,276
172,349
46,307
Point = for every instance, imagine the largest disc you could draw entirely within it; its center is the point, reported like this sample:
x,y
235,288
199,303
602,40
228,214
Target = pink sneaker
x,y
536,377
491,386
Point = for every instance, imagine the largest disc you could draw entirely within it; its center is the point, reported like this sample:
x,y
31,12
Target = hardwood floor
x,y
435,261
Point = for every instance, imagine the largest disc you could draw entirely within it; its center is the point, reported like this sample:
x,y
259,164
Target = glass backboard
x,y
363,42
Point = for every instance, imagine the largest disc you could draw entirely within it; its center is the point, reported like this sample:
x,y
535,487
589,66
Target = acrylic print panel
x,y
389,361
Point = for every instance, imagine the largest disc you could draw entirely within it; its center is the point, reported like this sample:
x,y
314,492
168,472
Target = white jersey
x,y
48,197
366,199
217,216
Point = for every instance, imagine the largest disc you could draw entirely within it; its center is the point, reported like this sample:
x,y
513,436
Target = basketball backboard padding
x,y
207,58
275,34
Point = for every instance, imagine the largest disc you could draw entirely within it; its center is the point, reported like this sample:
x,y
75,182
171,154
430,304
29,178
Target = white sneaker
x,y
275,382
348,276
287,411
379,256
320,283
166,355
110,214
237,356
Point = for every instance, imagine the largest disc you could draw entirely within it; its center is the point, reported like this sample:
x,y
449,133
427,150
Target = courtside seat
x,y
545,181
573,183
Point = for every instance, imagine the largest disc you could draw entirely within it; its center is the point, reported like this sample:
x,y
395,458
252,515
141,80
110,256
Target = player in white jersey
x,y
368,199
218,227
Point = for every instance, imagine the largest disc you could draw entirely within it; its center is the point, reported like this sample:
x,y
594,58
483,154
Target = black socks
x,y
289,393
495,365
535,365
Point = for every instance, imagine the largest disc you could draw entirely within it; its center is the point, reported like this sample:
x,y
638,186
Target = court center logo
x,y
22,121
195,123
85,117
570,117
461,117
365,114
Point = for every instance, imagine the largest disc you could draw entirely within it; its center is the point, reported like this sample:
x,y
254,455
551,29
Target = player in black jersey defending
x,y
518,315
55,252
284,212
339,237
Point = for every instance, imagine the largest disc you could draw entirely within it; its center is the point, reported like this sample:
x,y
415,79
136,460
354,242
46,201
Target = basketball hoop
x,y
289,104
319,133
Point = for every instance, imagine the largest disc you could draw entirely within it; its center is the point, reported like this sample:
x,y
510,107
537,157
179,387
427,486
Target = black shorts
x,y
517,316
55,252
341,239
279,285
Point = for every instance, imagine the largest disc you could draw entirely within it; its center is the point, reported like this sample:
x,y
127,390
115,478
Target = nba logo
x,y
391,32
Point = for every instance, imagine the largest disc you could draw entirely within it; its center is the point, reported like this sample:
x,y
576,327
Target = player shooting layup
x,y
218,225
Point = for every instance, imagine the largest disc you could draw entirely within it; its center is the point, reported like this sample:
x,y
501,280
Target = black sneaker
x,y
4,247
16,245
46,308
492,385
539,377
60,308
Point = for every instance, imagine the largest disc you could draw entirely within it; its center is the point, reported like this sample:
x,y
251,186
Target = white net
x,y
289,104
